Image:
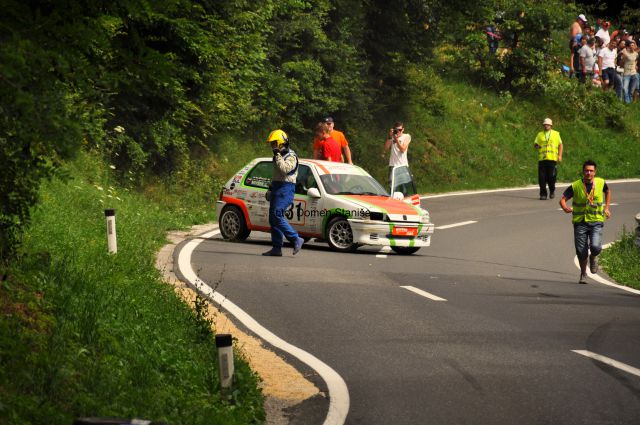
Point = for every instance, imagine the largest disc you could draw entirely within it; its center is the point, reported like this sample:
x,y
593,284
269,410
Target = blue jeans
x,y
587,237
281,197
629,85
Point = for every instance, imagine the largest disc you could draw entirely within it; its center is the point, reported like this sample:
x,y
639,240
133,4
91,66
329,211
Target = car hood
x,y
395,209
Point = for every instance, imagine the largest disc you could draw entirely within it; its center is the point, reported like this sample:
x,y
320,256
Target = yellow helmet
x,y
278,136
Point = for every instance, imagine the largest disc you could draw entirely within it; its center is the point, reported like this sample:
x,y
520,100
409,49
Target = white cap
x,y
547,121
582,17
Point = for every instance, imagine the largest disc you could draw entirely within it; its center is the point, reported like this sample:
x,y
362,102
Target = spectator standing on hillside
x,y
576,28
549,146
575,67
590,208
587,59
603,33
327,147
339,137
630,73
607,65
398,142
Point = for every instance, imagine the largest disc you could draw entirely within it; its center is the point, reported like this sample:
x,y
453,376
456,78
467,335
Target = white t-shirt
x,y
608,57
398,158
603,34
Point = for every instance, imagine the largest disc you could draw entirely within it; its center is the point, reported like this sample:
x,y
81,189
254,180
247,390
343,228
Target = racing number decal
x,y
295,213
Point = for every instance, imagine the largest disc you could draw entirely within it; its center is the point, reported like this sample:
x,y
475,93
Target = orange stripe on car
x,y
322,167
392,206
239,203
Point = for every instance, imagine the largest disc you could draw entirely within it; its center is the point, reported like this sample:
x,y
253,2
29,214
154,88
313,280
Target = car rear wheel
x,y
405,250
233,226
340,235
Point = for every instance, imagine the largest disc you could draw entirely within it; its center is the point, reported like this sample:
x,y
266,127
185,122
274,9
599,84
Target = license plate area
x,y
405,231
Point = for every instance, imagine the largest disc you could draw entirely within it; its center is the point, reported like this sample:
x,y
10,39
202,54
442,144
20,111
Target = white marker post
x,y
638,230
224,344
111,231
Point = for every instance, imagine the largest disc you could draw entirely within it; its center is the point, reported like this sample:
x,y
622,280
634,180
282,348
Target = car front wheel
x,y
340,235
233,226
405,250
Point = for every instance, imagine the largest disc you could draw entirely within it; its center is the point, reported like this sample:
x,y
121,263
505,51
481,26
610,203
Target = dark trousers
x,y
547,176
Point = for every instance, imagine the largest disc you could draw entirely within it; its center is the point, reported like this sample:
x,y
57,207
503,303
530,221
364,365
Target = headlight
x,y
425,218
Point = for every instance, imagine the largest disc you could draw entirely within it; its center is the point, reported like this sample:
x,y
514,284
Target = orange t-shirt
x,y
338,136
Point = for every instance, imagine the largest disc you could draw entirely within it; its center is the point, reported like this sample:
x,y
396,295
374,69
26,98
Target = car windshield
x,y
351,184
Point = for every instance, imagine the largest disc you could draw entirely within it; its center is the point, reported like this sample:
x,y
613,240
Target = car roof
x,y
327,167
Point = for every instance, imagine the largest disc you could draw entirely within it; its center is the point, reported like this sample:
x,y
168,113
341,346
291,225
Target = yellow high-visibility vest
x,y
549,143
588,207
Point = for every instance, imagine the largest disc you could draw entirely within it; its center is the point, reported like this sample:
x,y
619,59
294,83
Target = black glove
x,y
276,151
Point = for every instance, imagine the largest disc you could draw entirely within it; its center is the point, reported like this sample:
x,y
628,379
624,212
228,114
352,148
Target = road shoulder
x,y
283,386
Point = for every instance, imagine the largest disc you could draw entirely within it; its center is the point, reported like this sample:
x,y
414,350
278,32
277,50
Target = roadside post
x,y
224,344
638,230
111,231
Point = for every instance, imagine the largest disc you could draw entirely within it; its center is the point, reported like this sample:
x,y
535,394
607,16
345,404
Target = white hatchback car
x,y
336,202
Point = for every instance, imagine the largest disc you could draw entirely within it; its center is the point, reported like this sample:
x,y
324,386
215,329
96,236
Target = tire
x,y
233,226
340,235
405,250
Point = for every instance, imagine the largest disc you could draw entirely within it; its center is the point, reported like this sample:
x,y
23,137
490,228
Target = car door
x,y
255,185
305,214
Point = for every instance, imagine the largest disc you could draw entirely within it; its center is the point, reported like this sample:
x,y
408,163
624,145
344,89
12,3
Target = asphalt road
x,y
498,350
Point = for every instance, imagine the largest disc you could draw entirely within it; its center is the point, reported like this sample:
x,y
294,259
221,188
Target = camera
x,y
395,131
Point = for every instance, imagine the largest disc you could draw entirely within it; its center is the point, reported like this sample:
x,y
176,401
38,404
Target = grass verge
x,y
621,260
84,333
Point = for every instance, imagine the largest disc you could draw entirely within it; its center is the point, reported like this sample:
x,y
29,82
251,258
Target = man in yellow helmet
x,y
282,190
590,208
549,146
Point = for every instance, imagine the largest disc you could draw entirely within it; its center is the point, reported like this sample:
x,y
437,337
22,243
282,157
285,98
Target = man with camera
x,y
398,141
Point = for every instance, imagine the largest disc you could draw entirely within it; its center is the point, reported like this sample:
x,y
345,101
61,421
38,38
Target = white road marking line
x,y
338,391
381,255
449,226
602,279
510,189
606,360
423,293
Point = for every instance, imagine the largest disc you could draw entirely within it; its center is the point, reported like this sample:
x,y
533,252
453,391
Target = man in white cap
x,y
576,28
549,146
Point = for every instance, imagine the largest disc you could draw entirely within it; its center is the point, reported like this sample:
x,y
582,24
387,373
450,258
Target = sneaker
x,y
583,279
593,264
543,197
297,246
273,252
552,195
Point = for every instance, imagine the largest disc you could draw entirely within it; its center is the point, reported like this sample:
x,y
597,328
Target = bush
x,y
575,100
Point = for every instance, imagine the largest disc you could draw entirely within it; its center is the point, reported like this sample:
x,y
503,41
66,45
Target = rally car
x,y
334,202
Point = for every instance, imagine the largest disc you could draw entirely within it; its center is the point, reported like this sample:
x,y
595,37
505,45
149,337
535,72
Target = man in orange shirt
x,y
338,136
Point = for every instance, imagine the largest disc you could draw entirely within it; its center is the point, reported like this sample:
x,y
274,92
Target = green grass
x,y
85,333
621,260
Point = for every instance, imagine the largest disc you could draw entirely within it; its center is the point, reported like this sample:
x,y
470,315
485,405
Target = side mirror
x,y
398,195
313,192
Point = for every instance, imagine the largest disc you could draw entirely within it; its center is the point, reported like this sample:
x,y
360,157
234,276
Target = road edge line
x,y
337,388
